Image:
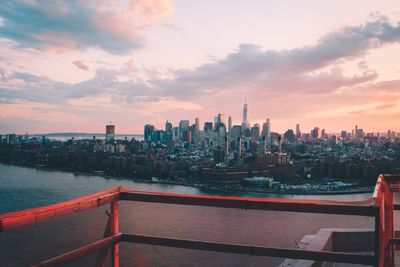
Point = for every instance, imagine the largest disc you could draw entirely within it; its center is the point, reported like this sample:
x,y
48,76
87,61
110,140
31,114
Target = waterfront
x,y
82,136
23,188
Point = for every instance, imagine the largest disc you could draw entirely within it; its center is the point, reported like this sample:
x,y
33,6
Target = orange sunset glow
x,y
74,66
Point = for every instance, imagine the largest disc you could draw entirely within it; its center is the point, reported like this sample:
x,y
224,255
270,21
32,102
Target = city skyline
x,y
63,69
228,123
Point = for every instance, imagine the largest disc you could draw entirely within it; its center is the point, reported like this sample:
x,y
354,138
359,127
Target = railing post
x,y
377,246
384,227
101,258
114,230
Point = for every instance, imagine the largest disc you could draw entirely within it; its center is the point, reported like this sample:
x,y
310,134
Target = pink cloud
x,y
80,65
131,65
385,106
128,22
114,26
149,11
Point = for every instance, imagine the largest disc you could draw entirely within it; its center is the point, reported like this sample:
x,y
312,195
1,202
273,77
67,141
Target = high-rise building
x,y
298,131
197,125
255,131
208,126
183,128
148,132
236,132
359,133
187,136
110,132
229,124
220,127
175,133
266,131
221,130
184,125
220,118
245,124
323,134
226,151
168,126
289,136
196,132
355,132
219,155
315,133
239,144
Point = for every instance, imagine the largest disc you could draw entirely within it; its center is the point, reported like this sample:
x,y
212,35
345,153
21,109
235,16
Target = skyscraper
x,y
355,132
298,131
148,132
229,124
236,132
323,134
315,133
208,126
183,128
196,133
168,126
197,125
266,131
245,123
255,131
184,125
220,118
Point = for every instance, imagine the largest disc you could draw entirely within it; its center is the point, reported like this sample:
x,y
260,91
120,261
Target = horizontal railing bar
x,y
25,217
60,204
81,252
391,177
13,220
315,206
251,250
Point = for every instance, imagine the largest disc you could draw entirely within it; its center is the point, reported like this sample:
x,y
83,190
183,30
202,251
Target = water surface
x,y
23,188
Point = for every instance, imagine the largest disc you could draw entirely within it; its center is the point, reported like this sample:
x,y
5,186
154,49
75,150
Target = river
x,y
23,188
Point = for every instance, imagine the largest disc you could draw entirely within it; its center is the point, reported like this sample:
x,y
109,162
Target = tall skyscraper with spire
x,y
245,122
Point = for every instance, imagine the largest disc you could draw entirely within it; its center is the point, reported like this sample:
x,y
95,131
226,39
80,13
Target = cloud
x,y
281,83
80,65
385,106
131,65
60,26
249,70
149,11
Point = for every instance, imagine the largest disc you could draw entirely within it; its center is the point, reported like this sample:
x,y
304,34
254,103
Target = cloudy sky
x,y
73,66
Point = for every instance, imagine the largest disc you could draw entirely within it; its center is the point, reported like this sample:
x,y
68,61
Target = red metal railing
x,y
384,226
382,210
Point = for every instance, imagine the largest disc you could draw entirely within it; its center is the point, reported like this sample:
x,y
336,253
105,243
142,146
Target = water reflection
x,y
22,188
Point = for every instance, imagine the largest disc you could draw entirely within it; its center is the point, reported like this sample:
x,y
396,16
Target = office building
x,y
110,132
266,131
148,132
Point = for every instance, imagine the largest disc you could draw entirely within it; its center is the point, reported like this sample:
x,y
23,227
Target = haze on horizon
x,y
73,66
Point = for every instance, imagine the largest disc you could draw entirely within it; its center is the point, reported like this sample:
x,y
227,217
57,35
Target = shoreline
x,y
220,187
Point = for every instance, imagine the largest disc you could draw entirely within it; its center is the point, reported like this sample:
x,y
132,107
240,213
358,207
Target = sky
x,y
74,66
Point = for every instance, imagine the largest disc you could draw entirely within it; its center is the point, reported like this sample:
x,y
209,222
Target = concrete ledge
x,y
334,239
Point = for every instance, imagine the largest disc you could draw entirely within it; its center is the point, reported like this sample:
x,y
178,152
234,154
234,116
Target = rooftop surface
x,y
34,243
